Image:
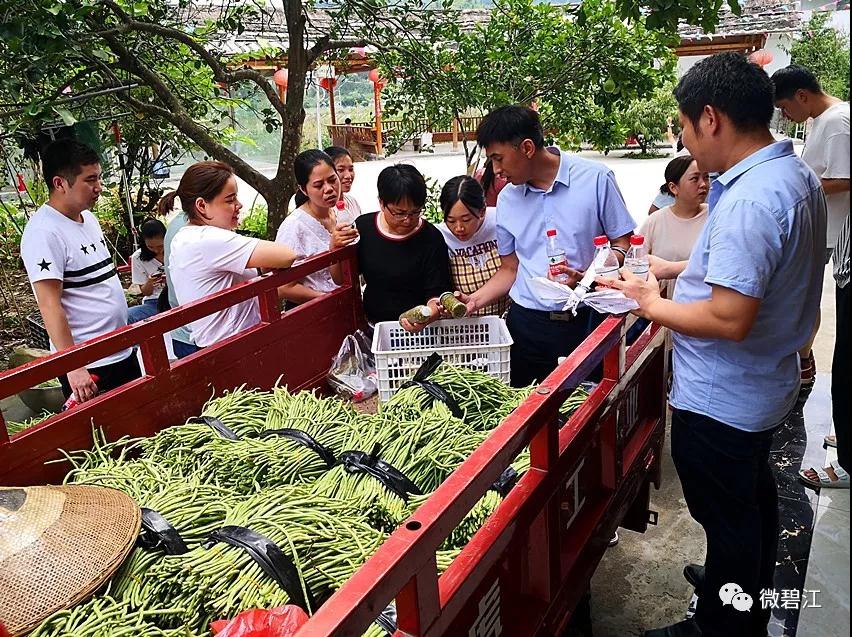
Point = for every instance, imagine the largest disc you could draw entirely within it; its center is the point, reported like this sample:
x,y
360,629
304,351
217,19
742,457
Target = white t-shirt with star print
x,y
55,247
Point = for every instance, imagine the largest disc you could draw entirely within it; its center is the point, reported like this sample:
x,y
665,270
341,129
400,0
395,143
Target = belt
x,y
566,317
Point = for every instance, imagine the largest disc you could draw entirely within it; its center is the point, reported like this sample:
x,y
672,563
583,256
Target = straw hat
x,y
58,545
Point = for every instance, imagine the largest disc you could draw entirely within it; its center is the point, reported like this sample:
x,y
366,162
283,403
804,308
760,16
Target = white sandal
x,y
825,481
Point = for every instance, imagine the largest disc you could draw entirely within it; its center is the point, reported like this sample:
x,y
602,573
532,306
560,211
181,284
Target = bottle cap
x,y
637,240
425,310
551,233
601,240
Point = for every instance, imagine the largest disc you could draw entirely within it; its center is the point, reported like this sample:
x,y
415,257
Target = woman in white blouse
x,y
207,256
308,230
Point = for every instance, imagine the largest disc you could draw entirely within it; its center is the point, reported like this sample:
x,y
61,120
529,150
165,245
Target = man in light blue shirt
x,y
745,303
548,190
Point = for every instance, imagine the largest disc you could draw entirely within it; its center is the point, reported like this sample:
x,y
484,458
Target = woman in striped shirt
x,y
470,231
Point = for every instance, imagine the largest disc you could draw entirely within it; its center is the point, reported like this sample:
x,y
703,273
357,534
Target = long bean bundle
x,y
485,401
425,448
326,540
194,509
329,521
104,616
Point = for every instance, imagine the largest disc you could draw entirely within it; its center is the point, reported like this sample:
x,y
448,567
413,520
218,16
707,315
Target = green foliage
x,y
165,58
825,52
12,222
254,223
647,118
645,155
666,14
432,210
579,64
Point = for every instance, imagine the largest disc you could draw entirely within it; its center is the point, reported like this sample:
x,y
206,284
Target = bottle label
x,y
554,262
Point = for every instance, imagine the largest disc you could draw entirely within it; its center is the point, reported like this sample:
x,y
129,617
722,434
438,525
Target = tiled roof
x,y
758,16
270,28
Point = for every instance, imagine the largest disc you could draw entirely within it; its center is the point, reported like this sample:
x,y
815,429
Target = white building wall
x,y
779,45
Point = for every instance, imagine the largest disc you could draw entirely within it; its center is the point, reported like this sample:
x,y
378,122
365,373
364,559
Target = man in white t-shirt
x,y
799,95
71,270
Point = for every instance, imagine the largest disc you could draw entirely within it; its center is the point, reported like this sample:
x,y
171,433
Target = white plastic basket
x,y
480,343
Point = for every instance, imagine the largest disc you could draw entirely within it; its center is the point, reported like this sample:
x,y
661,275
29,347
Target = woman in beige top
x,y
671,232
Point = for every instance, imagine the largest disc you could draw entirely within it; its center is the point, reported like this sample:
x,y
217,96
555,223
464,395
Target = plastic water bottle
x,y
637,257
72,401
344,215
605,262
555,258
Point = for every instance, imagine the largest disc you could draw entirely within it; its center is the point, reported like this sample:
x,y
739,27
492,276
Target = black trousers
x,y
840,378
730,491
539,340
109,376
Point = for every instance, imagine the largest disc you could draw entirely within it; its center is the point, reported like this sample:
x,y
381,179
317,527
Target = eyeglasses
x,y
402,214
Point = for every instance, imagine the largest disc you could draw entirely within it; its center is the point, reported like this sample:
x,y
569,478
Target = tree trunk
x,y
276,205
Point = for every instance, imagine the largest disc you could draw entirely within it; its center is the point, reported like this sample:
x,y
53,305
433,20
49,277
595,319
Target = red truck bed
x,y
522,574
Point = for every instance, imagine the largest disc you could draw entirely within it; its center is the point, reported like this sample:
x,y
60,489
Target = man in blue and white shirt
x,y
548,190
745,303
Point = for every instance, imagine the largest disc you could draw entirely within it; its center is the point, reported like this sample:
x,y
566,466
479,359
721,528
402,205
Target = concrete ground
x,y
639,584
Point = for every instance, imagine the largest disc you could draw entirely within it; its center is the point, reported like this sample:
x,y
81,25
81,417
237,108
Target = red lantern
x,y
761,57
376,79
280,78
328,83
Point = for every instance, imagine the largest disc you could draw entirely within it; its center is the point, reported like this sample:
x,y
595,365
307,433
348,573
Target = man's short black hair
x,y
510,125
400,182
794,78
731,84
65,158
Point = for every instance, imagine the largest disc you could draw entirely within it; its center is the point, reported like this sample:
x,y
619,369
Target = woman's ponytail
x,y
167,203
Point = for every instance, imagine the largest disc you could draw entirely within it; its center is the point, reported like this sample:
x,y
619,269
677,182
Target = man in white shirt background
x,y
71,270
799,95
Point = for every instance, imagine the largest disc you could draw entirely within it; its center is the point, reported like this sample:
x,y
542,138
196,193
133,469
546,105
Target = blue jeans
x,y
143,311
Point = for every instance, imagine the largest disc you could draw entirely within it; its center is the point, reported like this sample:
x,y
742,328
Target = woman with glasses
x,y
402,257
470,231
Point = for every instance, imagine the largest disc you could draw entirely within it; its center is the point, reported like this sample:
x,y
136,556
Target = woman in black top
x,y
402,257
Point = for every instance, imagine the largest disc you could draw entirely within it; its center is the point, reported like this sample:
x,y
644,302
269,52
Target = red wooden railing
x,y
523,572
298,351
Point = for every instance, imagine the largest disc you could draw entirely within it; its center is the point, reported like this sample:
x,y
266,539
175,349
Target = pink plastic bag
x,y
283,621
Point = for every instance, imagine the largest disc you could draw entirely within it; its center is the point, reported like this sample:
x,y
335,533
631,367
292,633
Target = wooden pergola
x,y
746,43
744,33
368,135
366,138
